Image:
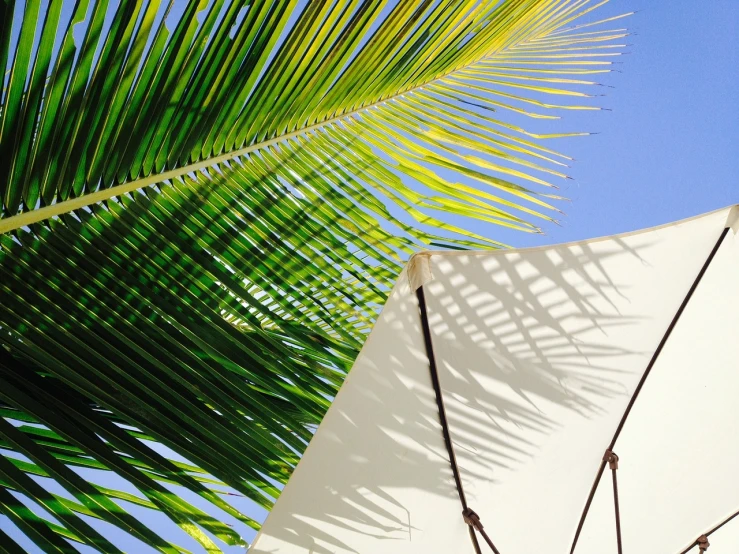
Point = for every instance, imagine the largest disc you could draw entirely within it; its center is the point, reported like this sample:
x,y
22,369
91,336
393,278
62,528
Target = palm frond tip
x,y
204,205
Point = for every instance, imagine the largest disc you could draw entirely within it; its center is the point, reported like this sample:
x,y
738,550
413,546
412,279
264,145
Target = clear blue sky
x,y
669,148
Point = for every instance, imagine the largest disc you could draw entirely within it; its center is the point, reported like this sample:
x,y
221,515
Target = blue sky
x,y
669,149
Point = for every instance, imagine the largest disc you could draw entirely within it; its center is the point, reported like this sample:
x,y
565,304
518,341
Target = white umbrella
x,y
548,361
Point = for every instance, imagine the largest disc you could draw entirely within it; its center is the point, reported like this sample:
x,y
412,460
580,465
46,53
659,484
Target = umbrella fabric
x,y
547,359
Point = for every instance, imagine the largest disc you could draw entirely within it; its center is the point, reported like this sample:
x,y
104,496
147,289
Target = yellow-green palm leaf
x,y
203,206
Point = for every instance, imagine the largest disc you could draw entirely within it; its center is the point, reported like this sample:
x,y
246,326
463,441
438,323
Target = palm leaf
x,y
204,206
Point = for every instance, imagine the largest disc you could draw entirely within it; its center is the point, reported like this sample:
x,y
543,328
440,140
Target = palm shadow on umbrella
x,y
538,330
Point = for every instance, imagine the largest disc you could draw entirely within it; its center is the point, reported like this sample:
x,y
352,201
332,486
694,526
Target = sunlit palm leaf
x,y
204,205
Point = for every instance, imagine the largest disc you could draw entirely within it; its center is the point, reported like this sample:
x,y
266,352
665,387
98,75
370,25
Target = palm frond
x,y
204,205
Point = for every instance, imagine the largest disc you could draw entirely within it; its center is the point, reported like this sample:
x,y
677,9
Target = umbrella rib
x,y
469,516
709,533
643,379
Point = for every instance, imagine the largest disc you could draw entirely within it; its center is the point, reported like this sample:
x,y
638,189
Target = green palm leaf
x,y
204,206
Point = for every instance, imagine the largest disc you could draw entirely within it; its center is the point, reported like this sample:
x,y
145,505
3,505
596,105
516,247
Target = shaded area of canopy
x,y
539,353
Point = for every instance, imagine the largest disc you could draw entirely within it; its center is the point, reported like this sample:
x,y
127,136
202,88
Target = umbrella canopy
x,y
577,398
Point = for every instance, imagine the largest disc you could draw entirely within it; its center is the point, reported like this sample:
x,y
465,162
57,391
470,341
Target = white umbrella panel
x,y
504,382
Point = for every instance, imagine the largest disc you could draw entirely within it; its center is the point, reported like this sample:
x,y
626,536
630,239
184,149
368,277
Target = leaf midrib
x,y
8,224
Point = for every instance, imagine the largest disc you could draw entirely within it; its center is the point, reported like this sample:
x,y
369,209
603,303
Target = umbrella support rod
x,y
612,459
469,516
